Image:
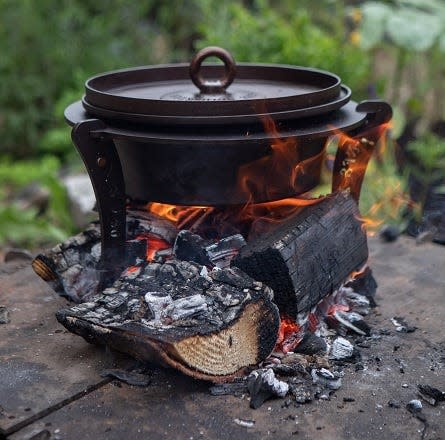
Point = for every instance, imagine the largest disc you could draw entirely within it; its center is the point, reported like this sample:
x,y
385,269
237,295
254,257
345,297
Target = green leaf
x,y
414,30
372,27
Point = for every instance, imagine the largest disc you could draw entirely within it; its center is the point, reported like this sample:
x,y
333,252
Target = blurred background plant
x,y
390,49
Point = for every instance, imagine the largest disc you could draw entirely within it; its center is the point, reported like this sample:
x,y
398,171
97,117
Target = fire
x,y
286,167
289,336
154,244
182,215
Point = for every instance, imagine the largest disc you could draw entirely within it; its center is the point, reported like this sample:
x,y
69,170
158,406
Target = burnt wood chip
x,y
402,325
311,344
4,315
130,377
191,247
236,388
366,285
430,394
394,403
263,385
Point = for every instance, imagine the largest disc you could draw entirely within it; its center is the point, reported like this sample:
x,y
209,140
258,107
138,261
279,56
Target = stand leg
x,y
355,150
103,165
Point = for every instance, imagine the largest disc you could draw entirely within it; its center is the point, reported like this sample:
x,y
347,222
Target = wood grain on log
x,y
209,324
307,257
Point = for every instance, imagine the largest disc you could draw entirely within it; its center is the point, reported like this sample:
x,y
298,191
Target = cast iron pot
x,y
181,144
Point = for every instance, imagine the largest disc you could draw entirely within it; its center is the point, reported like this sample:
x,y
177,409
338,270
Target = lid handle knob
x,y
213,86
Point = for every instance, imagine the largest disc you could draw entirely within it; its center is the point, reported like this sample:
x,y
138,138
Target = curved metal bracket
x,y
378,112
104,168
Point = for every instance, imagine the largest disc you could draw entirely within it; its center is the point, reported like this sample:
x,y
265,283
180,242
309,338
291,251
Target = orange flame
x,y
154,244
287,167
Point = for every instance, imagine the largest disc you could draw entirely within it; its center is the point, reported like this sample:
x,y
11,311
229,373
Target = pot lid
x,y
213,91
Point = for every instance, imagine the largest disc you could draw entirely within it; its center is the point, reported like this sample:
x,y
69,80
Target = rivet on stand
x,y
101,162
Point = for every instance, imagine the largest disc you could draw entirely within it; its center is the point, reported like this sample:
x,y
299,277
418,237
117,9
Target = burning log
x,y
308,256
208,324
72,268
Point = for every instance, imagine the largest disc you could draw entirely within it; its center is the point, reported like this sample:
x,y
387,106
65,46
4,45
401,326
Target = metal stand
x,y
104,168
355,149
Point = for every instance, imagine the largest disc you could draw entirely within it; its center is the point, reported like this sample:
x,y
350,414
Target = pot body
x,y
218,174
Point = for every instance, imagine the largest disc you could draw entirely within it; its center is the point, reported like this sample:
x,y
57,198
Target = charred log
x,y
310,255
208,324
73,267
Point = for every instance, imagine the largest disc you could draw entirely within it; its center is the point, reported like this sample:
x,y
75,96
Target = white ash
x,y
351,320
157,302
186,307
326,378
244,423
341,349
262,385
222,252
414,406
402,326
144,222
358,303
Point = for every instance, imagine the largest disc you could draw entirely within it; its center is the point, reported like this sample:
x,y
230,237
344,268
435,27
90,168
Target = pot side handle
x,y
356,148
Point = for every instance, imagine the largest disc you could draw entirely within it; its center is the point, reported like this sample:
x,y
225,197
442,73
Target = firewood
x,y
208,324
310,255
72,268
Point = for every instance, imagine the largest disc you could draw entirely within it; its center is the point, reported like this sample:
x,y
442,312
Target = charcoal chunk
x,y
191,247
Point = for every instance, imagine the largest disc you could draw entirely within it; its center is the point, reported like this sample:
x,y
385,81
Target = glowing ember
x,y
337,307
154,244
289,336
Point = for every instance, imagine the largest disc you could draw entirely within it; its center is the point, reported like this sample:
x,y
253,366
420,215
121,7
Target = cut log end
x,y
236,347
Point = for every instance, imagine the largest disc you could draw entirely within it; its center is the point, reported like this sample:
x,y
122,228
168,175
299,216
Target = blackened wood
x,y
208,324
310,255
72,268
191,247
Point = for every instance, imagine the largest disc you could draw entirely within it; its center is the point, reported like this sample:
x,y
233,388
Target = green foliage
x,y
414,25
28,227
384,199
429,156
290,36
50,47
